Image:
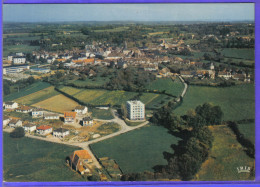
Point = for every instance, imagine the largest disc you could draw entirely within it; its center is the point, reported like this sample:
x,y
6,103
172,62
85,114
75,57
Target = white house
x,y
29,128
224,74
15,123
24,109
51,116
37,113
81,109
61,133
6,120
87,121
44,129
11,105
135,110
19,60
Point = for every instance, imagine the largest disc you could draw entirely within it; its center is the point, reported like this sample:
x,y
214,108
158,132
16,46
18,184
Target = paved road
x,y
185,87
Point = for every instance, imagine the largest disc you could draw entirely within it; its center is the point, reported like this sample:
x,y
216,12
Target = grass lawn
x,y
28,159
58,103
38,96
22,116
159,101
248,130
237,102
239,53
108,128
172,87
26,91
102,114
225,156
138,150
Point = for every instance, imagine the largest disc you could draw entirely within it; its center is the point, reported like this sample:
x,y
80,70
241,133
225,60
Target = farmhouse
x,y
6,120
69,117
81,109
37,113
135,110
29,128
61,133
51,116
79,161
44,129
87,121
24,109
15,123
11,105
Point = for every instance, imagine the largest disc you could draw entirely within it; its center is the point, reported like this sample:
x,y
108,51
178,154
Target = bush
x,y
17,133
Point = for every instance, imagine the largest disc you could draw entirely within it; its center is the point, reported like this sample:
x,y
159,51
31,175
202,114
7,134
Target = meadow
x,y
21,48
28,159
239,53
97,81
125,149
101,114
58,103
237,102
224,158
27,91
37,96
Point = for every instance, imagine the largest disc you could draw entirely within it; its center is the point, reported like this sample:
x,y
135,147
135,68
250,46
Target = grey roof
x,y
29,125
9,102
61,130
87,119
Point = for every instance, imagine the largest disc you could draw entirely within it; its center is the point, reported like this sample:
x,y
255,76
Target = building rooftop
x,y
44,127
70,114
61,130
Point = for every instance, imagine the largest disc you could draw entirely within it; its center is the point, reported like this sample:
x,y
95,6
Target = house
x,y
37,113
241,77
224,74
6,120
11,105
61,132
69,117
44,129
29,128
81,109
186,74
15,123
87,121
24,109
165,72
79,161
51,116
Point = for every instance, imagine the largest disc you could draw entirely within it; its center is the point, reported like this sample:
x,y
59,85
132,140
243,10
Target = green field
x,y
28,159
18,48
237,102
248,130
159,101
102,114
97,81
116,29
224,158
26,91
239,53
138,150
168,85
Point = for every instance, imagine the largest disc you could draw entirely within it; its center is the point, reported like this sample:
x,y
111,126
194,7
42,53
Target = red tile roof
x,y
44,127
70,114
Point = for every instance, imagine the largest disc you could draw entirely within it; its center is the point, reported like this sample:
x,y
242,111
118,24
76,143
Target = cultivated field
x,y
28,159
125,149
58,103
27,91
37,96
237,102
225,156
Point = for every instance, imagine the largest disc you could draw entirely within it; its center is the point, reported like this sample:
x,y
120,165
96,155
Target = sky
x,y
128,12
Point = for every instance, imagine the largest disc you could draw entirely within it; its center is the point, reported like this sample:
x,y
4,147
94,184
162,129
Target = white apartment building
x,y
135,110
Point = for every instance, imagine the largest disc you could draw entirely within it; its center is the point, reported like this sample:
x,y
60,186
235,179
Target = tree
x,y
17,133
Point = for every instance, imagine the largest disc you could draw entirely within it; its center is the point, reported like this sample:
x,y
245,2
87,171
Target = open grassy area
x,y
108,128
21,48
225,156
58,103
28,159
26,91
116,29
159,101
239,53
38,96
248,130
138,150
168,85
102,114
237,102
97,81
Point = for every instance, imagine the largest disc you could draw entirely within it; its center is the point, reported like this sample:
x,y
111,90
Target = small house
x,y
6,120
11,105
87,121
29,128
44,129
69,117
37,113
186,74
51,116
79,161
24,109
61,132
15,123
81,109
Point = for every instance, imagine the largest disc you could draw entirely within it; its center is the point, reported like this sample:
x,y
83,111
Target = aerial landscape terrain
x,y
128,101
